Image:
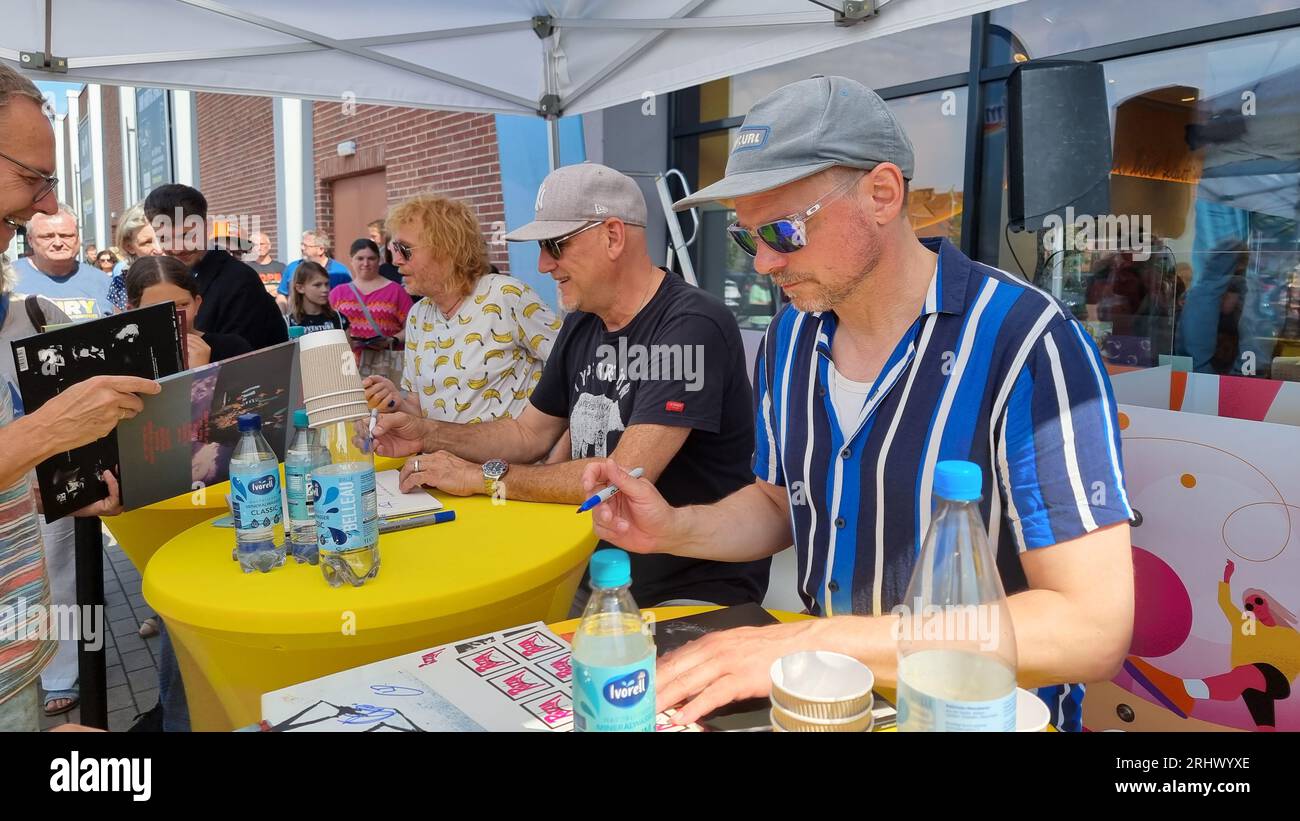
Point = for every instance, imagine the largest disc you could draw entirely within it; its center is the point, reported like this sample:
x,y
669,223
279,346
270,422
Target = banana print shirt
x,y
483,363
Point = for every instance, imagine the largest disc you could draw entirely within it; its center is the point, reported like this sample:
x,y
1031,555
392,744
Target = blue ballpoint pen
x,y
441,516
606,494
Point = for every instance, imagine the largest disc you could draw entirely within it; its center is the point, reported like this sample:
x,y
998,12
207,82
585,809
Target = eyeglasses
x,y
1257,603
555,248
402,248
49,184
785,236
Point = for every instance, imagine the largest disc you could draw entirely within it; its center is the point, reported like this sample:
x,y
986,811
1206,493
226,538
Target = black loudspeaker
x,y
1058,142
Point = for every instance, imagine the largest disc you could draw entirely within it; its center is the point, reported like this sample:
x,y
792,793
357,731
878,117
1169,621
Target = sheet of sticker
x,y
507,681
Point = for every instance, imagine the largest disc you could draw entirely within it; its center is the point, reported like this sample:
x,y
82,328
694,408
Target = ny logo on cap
x,y
541,193
600,209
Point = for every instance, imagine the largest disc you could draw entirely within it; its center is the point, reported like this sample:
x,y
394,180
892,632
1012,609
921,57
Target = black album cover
x,y
147,342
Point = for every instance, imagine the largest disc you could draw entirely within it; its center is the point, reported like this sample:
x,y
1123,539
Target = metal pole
x,y
90,593
677,243
553,141
972,187
49,30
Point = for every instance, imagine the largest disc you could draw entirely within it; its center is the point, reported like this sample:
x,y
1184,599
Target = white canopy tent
x,y
543,57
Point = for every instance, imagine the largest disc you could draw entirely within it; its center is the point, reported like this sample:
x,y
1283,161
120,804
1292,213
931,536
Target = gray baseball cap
x,y
807,127
578,195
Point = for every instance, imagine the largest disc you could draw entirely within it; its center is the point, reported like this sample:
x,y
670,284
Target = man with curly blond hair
x,y
477,340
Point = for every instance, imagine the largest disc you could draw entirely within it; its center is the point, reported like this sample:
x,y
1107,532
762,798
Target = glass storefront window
x,y
936,124
1205,181
1043,28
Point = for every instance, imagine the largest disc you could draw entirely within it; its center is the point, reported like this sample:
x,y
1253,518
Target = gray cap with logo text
x,y
806,127
575,196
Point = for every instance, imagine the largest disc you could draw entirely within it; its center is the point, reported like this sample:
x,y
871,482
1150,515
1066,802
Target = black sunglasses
x,y
1258,602
555,248
402,248
787,235
50,181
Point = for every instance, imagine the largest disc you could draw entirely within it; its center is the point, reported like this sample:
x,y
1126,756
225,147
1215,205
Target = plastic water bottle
x,y
957,646
300,460
613,654
257,499
347,517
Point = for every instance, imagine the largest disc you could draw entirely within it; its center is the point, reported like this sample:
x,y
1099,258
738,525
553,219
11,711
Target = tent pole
x,y
553,141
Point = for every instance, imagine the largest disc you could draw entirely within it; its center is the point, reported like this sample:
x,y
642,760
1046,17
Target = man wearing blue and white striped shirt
x,y
896,353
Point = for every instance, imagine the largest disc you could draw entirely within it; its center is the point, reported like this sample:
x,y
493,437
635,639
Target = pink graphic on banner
x,y
1246,397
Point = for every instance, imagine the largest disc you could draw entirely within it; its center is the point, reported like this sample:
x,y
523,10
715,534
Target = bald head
x,y
55,241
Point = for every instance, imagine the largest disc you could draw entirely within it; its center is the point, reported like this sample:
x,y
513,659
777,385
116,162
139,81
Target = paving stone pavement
x,y
132,664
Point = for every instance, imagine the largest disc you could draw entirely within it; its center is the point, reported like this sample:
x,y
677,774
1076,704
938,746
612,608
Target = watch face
x,y
494,468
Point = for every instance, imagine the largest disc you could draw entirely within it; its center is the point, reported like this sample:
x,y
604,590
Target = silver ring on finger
x,y
417,465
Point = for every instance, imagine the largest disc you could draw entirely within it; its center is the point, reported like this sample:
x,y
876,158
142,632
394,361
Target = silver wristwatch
x,y
493,470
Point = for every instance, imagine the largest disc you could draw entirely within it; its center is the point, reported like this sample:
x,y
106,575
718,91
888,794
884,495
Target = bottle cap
x,y
959,481
296,331
610,568
300,418
250,421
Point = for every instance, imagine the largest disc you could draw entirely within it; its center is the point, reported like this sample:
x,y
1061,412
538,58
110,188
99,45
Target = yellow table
x,y
240,635
141,532
564,628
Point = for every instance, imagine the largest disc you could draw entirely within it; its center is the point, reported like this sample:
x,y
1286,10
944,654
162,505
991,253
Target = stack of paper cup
x,y
821,692
331,383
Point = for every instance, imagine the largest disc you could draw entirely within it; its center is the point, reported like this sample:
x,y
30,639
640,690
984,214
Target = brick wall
x,y
237,157
449,153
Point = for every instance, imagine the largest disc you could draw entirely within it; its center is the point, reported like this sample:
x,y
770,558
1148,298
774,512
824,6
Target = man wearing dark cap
x,y
647,371
896,353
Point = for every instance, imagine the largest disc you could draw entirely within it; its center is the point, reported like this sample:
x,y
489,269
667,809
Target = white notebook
x,y
391,502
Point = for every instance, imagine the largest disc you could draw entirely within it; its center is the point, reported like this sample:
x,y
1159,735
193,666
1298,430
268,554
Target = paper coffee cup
x,y
786,721
331,383
822,685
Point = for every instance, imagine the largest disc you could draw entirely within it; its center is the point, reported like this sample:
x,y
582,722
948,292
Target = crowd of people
x,y
484,389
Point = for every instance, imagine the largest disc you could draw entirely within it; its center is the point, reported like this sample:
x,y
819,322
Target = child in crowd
x,y
309,300
151,280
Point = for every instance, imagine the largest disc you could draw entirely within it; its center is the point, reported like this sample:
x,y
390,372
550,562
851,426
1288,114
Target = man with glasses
x,y
315,248
83,413
54,269
646,370
895,354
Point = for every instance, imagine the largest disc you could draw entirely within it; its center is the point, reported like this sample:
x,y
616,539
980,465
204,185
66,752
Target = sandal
x,y
149,627
72,697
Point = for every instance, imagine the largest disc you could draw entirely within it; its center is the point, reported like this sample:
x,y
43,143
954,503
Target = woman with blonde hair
x,y
477,340
135,238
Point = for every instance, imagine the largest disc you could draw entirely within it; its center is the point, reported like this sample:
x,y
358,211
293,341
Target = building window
x,y
1205,198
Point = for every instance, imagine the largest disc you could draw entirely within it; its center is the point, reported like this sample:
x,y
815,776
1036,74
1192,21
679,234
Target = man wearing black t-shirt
x,y
646,369
268,268
234,301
